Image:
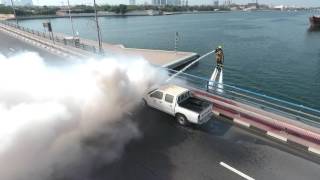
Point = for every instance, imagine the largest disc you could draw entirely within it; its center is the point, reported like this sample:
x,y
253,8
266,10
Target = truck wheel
x,y
182,120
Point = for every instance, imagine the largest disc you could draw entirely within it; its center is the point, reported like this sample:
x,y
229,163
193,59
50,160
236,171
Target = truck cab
x,y
180,103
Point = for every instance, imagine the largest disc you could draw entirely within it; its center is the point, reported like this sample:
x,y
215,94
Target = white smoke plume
x,y
56,122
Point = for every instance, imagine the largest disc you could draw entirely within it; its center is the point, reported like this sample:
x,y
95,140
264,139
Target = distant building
x,y
253,5
216,3
170,2
166,2
174,2
132,2
227,2
159,2
184,3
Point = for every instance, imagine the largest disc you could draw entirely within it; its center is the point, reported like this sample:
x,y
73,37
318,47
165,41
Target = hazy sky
x,y
191,2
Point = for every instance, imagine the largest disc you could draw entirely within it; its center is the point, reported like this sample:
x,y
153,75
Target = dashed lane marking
x,y
236,171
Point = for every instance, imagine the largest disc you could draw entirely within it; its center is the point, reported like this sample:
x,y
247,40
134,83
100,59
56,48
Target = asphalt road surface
x,y
216,150
10,46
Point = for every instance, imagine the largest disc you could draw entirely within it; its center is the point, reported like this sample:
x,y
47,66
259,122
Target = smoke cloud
x,y
55,123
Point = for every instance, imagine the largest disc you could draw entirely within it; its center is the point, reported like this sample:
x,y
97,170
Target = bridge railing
x,y
55,38
294,111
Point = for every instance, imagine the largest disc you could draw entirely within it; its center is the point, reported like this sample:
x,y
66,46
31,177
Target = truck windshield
x,y
151,91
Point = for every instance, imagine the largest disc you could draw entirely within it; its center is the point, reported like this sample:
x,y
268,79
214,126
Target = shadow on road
x,y
167,151
167,148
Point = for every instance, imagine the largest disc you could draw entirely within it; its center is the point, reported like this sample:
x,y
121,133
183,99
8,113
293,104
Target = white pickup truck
x,y
180,103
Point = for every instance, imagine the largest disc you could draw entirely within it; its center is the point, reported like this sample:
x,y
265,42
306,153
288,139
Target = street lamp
x,y
73,33
98,28
14,12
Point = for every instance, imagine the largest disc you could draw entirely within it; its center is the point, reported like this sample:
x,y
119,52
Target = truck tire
x,y
182,120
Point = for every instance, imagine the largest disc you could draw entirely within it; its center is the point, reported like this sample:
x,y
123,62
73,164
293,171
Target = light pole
x,y
98,28
14,12
73,33
176,41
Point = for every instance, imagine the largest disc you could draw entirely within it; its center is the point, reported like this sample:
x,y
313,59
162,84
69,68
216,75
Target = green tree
x,y
5,9
123,9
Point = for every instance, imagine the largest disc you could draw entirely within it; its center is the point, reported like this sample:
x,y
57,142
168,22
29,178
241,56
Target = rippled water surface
x,y
272,52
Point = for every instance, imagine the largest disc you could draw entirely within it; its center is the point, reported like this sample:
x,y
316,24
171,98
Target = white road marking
x,y
236,171
277,136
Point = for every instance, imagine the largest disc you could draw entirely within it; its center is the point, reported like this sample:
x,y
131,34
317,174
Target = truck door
x,y
156,100
168,105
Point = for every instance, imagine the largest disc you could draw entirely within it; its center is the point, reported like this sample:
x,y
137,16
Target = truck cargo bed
x,y
195,104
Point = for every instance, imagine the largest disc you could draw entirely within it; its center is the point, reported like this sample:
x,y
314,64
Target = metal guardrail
x,y
55,38
281,107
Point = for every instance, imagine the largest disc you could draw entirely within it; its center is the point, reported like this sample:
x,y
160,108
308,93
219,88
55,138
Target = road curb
x,y
292,143
262,131
314,150
277,136
242,123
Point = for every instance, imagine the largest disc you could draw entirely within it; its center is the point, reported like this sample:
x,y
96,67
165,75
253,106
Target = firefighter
x,y
219,57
